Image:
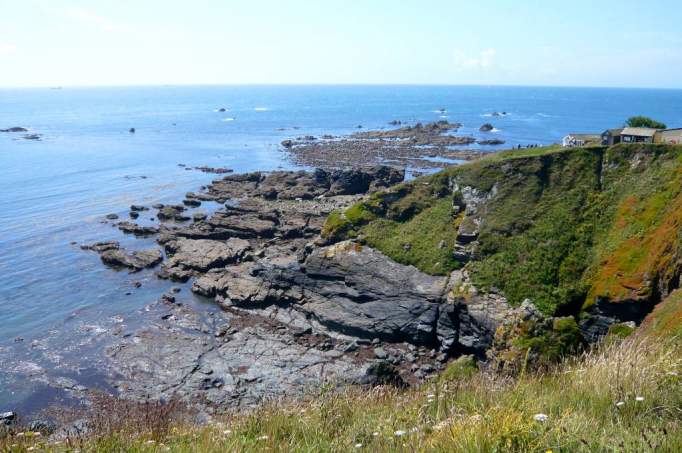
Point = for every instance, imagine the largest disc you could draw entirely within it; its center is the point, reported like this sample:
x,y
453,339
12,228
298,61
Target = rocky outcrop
x,y
137,230
112,255
281,185
487,127
189,257
348,288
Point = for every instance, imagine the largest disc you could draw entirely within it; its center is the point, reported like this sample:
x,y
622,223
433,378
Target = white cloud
x,y
483,60
91,19
6,49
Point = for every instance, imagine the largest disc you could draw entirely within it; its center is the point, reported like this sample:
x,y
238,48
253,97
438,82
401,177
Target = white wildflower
x,y
639,398
620,403
399,433
358,445
150,442
375,434
540,417
227,432
263,438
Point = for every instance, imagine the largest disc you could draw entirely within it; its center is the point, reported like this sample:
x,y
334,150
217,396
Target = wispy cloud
x,y
484,60
6,49
89,18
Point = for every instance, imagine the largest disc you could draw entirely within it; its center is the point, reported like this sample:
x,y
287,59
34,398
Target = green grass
x,y
467,411
565,227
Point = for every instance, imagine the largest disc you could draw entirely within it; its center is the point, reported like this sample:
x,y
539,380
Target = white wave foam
x,y
261,109
229,119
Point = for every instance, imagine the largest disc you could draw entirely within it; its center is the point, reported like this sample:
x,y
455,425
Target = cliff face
x,y
591,233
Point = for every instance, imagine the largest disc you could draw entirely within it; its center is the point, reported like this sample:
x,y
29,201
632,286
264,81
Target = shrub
x,y
644,121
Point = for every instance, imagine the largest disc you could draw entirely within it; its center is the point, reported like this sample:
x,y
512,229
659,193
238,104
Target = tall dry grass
x,y
625,396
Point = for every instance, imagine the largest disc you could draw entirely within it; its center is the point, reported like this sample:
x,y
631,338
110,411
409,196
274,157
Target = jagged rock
x,y
7,418
43,426
139,208
361,292
136,260
190,256
14,129
381,373
100,247
172,212
137,230
487,127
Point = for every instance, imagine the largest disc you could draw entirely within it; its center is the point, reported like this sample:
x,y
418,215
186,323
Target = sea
x,y
56,299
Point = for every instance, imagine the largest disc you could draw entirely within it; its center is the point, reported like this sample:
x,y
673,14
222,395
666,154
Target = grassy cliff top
x,y
563,227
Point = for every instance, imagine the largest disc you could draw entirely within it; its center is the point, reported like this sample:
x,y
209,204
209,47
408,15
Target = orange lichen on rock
x,y
631,270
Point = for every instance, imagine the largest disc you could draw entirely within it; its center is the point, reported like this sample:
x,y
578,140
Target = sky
x,y
609,43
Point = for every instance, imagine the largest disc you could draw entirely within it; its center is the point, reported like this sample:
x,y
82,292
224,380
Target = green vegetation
x,y
565,227
625,397
644,121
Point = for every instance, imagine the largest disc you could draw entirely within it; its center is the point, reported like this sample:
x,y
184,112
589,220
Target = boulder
x,y
487,127
8,418
172,212
135,261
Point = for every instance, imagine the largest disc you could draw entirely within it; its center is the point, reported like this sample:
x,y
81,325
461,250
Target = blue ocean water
x,y
54,192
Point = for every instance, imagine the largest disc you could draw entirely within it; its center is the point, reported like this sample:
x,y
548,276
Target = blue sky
x,y
510,42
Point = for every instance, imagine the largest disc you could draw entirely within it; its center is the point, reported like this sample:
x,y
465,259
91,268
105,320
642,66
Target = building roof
x,y
679,129
585,136
639,131
617,131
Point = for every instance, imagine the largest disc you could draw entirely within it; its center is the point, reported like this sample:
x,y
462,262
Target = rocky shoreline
x,y
296,311
425,146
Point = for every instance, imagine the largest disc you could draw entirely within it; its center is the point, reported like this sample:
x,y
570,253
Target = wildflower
x,y
400,433
639,398
358,445
620,403
415,429
227,432
540,417
150,442
375,434
262,438
441,425
431,396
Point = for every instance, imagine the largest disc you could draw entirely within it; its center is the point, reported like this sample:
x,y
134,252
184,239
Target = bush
x,y
644,121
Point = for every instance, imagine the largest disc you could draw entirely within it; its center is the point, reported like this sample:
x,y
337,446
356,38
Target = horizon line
x,y
369,84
